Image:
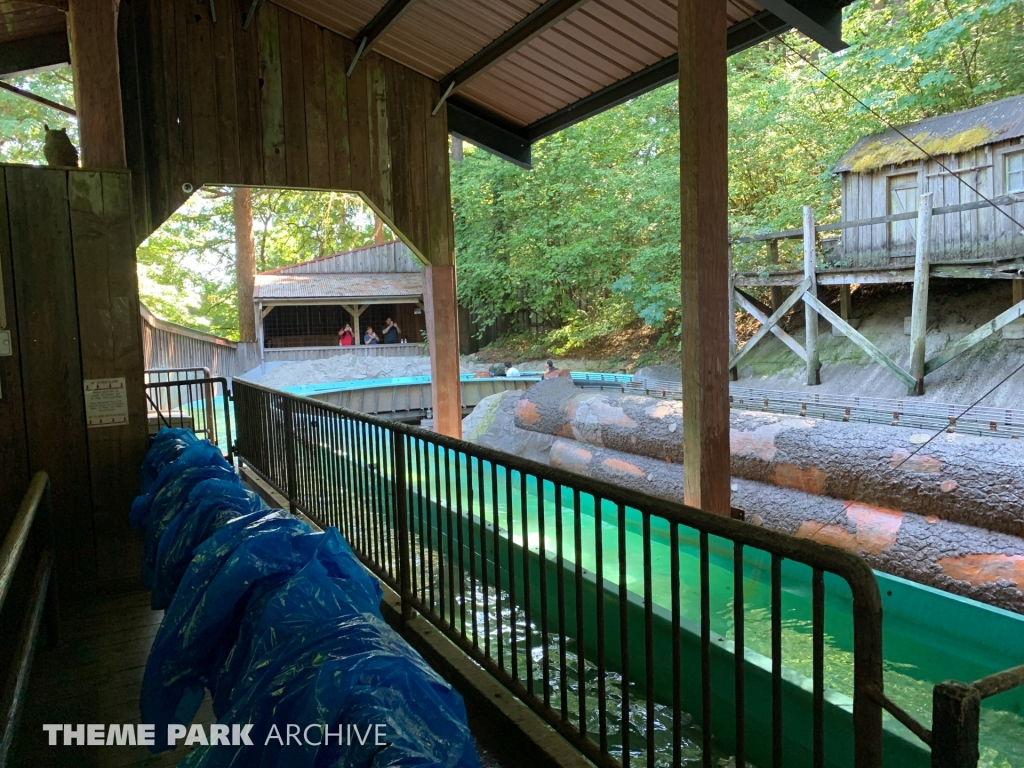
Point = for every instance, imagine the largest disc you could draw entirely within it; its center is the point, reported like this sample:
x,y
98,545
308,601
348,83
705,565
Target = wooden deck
x,y
94,677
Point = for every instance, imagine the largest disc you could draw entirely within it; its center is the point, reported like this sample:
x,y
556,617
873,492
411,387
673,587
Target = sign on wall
x,y
106,402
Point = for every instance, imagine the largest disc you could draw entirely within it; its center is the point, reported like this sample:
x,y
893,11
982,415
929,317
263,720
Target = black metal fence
x,y
182,398
646,632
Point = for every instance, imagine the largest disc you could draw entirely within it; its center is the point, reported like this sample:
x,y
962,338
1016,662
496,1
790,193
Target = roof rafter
x,y
818,21
542,19
368,36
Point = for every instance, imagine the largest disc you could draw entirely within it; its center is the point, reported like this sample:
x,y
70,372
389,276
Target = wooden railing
x,y
31,537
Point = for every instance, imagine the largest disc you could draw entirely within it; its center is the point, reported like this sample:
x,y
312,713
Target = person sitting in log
x,y
346,338
511,370
390,333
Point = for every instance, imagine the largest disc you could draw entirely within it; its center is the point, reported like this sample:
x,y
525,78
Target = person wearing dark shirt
x,y
390,333
370,337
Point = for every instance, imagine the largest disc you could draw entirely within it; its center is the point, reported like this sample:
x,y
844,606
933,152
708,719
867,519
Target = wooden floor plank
x,y
94,677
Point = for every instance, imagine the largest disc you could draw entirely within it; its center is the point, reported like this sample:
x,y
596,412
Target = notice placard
x,y
106,402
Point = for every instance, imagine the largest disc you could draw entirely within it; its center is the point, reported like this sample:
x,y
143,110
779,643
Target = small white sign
x,y
106,402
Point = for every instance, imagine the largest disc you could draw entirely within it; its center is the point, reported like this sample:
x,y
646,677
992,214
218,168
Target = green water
x,y
928,636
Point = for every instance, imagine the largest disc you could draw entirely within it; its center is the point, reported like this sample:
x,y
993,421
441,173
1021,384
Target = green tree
x,y
598,217
187,267
21,120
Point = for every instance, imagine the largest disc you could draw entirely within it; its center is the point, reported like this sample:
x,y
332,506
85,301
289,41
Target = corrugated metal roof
x,y
596,46
941,135
339,285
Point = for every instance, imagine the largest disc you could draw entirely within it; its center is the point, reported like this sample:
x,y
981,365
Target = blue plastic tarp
x,y
211,504
170,492
237,564
164,447
312,664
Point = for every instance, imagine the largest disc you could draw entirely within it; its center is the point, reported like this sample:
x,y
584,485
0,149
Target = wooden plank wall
x,y
978,234
390,257
68,252
272,107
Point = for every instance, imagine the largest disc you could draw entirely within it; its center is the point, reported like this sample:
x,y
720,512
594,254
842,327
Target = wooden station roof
x,y
515,71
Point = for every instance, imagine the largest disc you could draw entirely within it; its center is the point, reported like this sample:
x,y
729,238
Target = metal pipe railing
x,y
555,584
40,599
191,403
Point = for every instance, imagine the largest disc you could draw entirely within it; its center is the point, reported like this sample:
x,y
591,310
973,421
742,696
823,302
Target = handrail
x,y
17,536
199,409
365,475
41,601
796,234
1000,682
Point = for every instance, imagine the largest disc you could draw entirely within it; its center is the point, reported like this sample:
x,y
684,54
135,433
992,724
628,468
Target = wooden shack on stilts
x,y
939,198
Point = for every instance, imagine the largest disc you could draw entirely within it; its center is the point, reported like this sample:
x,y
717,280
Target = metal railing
x,y
202,404
37,598
624,620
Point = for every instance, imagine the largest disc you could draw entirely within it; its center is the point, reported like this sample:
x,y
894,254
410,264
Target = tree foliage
x,y
187,267
598,216
22,121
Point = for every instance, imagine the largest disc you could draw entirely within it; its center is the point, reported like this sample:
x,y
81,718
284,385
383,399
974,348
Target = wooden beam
x,y
773,258
978,335
851,333
542,19
844,301
38,99
810,318
92,29
443,339
245,263
734,374
368,36
919,308
796,234
819,21
32,54
704,172
770,324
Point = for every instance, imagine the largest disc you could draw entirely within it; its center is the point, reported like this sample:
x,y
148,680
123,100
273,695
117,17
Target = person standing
x,y
370,337
346,338
389,334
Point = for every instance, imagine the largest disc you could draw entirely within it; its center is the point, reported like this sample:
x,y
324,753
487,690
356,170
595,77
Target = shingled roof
x,y
940,135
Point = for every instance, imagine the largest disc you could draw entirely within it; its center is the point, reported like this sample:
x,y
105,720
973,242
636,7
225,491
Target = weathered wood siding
x,y
165,345
390,257
272,107
978,234
67,252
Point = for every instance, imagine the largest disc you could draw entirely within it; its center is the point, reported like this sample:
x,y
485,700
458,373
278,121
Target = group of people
x,y
389,334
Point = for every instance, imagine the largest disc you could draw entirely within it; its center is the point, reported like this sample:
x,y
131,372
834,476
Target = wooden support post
x,y
810,316
956,713
245,263
1018,292
259,330
92,31
776,291
733,371
919,310
704,171
844,302
443,338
